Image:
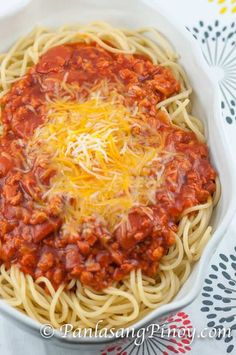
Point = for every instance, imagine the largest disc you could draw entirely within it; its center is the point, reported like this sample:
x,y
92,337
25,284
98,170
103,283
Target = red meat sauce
x,y
31,230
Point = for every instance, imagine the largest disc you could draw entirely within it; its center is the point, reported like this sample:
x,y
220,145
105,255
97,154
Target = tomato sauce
x,y
31,231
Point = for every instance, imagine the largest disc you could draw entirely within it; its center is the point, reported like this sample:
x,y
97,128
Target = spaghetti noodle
x,y
69,152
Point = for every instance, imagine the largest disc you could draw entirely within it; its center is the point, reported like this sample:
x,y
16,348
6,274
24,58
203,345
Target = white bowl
x,y
206,105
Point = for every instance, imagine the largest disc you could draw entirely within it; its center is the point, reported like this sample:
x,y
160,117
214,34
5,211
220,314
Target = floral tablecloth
x,y
213,24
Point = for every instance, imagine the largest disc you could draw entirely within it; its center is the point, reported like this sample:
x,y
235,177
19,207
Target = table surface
x,y
202,18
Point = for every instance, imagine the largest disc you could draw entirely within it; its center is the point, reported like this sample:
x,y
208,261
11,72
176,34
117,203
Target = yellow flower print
x,y
225,5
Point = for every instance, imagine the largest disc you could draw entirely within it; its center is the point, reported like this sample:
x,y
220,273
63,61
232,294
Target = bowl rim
x,y
25,320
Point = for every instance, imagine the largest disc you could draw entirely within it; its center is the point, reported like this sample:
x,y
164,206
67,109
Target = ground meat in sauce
x,y
31,232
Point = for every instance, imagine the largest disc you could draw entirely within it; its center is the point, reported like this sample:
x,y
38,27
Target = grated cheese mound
x,y
103,167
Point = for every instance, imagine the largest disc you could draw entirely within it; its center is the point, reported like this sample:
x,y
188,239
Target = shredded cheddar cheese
x,y
101,164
